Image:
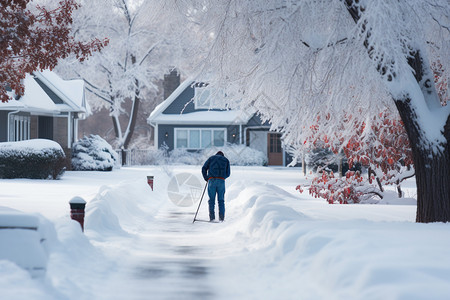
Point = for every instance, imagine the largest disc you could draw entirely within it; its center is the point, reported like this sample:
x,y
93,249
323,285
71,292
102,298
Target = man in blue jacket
x,y
215,170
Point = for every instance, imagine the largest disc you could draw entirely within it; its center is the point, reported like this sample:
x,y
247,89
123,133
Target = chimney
x,y
171,82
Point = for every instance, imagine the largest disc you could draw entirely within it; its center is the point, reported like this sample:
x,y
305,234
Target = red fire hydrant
x,y
77,205
150,181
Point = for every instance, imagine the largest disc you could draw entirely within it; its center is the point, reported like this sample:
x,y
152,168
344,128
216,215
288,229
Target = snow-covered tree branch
x,y
145,43
284,60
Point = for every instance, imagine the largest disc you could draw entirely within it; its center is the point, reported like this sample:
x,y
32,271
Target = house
x,y
185,119
50,109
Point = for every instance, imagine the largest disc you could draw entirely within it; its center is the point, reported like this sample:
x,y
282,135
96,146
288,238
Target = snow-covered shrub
x,y
35,159
93,154
238,155
182,156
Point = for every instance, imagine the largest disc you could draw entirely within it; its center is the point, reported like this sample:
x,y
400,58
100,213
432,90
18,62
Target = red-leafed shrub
x,y
382,146
352,188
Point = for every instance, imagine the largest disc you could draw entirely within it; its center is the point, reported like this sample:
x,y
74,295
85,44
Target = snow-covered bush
x,y
238,155
35,159
93,154
182,156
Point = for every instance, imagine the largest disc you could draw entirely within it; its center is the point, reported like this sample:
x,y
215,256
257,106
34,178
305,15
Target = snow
x,y
238,155
72,90
13,218
77,200
33,146
34,99
227,117
93,153
210,117
431,119
274,244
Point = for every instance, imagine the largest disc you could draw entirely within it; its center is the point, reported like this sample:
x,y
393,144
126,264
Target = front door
x,y
274,150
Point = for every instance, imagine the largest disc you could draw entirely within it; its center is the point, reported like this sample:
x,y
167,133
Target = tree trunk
x,y
432,170
304,164
132,122
116,126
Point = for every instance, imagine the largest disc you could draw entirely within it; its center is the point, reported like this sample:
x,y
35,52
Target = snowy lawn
x,y
274,244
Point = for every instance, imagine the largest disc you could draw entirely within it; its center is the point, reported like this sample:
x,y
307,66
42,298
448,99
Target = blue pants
x,y
216,186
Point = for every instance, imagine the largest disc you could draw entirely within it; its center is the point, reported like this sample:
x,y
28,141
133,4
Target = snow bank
x,y
17,284
25,240
118,209
353,259
261,217
74,266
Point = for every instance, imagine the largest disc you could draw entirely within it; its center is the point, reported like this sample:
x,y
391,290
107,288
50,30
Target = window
x,y
194,139
206,138
182,139
199,138
20,129
275,143
219,138
202,98
206,97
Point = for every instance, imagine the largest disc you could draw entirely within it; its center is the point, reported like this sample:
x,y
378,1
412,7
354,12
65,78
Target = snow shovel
x,y
200,202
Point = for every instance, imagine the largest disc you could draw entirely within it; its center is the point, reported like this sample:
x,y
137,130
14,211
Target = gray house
x,y
187,119
50,108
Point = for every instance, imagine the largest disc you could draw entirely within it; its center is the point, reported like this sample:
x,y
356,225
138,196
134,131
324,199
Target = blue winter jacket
x,y
217,166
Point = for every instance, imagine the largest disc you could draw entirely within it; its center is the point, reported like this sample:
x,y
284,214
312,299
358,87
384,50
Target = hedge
x,y
34,159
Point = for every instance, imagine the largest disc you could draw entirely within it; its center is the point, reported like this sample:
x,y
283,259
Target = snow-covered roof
x,y
208,117
212,117
70,91
160,108
46,92
34,99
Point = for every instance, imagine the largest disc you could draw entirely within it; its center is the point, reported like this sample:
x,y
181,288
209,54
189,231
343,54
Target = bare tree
x,y
145,43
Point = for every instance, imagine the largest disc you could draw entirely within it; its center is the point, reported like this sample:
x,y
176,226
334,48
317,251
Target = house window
x,y
182,139
202,99
206,138
194,139
200,138
219,138
20,129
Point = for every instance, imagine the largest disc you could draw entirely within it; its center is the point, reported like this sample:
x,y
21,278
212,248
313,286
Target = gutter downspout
x,y
75,129
69,130
241,138
8,127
